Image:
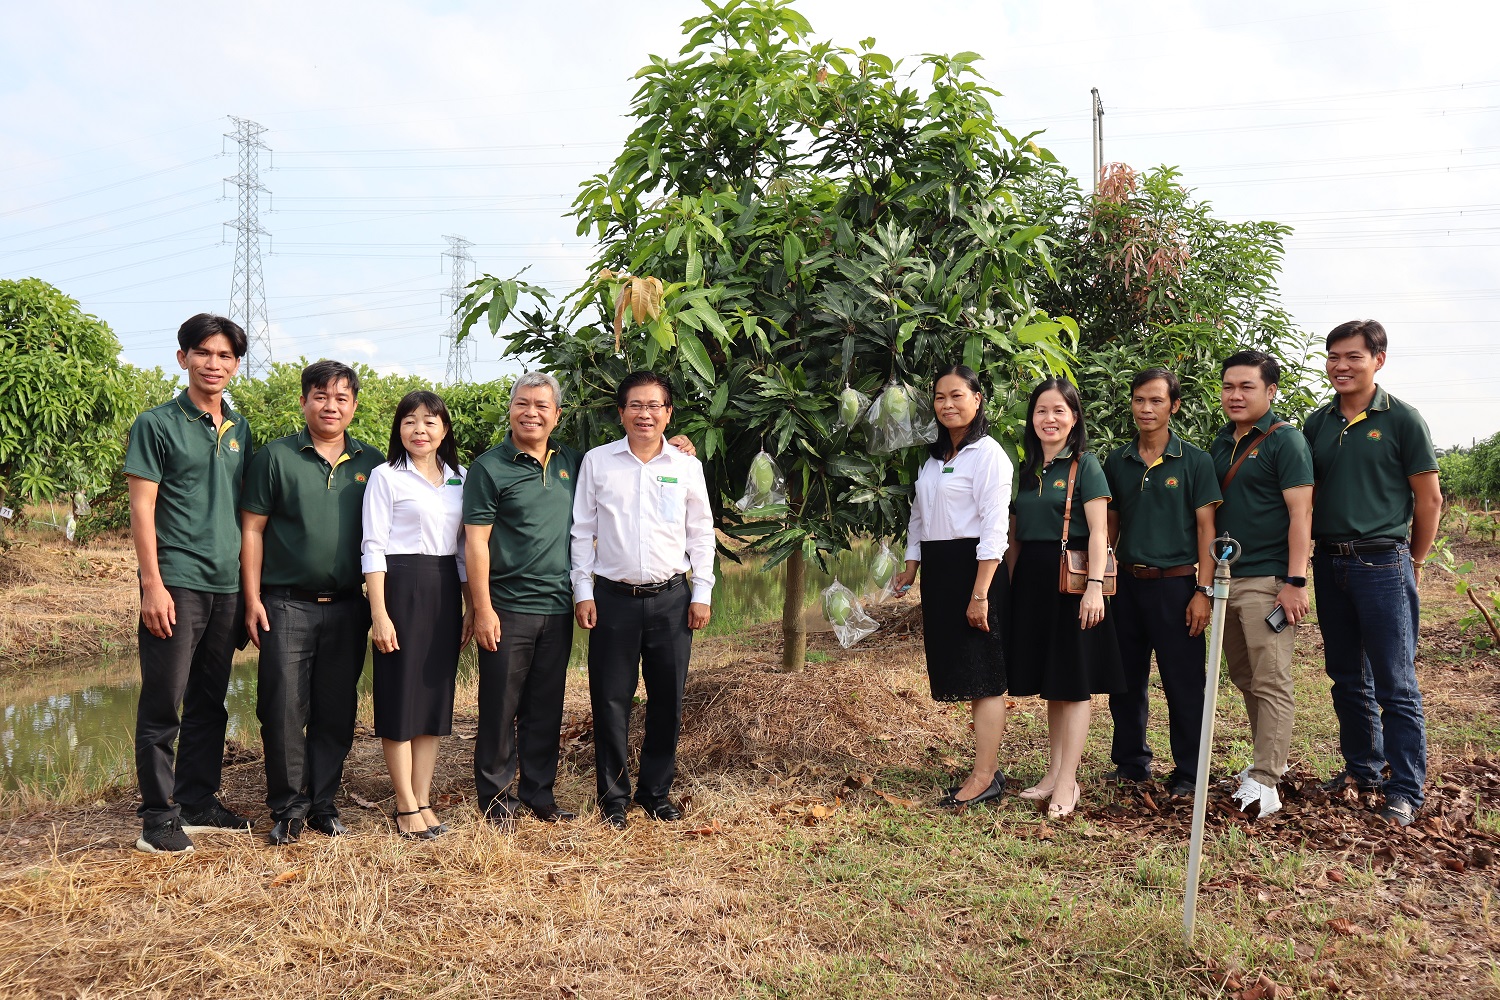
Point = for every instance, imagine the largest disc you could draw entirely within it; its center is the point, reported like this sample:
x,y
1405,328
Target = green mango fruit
x,y
883,568
762,474
848,407
838,608
897,407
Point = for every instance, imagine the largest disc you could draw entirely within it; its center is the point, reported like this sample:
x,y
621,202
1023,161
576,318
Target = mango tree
x,y
789,218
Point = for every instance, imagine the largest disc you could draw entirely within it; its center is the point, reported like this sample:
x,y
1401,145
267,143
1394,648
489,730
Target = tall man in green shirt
x,y
1265,474
1374,519
304,605
185,464
1161,520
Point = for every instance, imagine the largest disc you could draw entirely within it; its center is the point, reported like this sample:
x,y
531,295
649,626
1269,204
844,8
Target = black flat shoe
x,y
441,828
328,826
550,814
995,790
286,831
423,834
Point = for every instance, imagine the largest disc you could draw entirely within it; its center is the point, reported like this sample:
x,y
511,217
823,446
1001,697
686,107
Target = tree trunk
x,y
793,622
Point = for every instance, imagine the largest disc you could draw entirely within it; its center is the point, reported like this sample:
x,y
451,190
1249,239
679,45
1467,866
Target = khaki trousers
x,y
1260,665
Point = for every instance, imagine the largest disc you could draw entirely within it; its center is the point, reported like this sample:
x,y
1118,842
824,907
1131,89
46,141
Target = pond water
x,y
74,726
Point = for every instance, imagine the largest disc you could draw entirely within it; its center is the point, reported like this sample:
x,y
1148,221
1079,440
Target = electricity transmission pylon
x,y
460,352
247,295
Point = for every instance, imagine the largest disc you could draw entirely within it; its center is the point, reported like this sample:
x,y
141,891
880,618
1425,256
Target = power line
x,y
247,296
460,352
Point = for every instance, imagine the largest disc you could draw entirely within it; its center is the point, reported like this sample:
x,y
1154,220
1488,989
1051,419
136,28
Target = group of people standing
x,y
319,544
1355,493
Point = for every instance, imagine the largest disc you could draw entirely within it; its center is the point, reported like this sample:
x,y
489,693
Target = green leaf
x,y
693,350
792,250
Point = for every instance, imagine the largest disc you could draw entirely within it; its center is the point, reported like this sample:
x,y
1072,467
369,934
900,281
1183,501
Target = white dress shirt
x,y
404,514
967,497
641,522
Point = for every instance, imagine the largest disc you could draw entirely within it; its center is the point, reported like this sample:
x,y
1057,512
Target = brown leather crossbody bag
x,y
1073,569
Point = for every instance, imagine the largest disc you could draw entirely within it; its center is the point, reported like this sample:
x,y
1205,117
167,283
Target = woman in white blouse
x,y
413,561
958,535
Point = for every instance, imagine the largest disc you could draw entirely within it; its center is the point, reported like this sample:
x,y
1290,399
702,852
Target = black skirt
x,y
1050,655
413,686
963,662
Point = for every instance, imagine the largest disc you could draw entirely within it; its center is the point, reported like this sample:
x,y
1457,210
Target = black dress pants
x,y
190,669
306,699
1152,615
638,638
521,687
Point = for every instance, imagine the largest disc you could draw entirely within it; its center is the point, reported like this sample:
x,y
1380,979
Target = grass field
x,y
809,865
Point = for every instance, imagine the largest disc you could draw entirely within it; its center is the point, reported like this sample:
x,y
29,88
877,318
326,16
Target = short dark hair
x,y
199,328
978,427
1174,387
447,449
1370,329
637,379
1031,442
1270,368
324,373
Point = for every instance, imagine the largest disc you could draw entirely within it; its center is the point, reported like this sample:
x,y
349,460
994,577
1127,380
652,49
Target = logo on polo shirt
x,y
562,473
1172,483
1254,454
234,444
1059,484
1374,434
359,477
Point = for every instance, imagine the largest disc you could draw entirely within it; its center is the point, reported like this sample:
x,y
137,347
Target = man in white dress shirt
x,y
641,522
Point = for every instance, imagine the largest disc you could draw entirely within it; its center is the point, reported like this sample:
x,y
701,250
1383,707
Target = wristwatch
x,y
1296,581
1205,591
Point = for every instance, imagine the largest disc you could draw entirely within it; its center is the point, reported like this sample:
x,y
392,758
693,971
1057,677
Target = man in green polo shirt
x,y
1376,513
1161,517
1265,474
304,605
185,464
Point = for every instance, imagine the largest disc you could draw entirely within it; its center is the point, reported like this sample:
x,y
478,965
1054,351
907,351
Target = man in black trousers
x,y
304,603
1161,522
185,464
641,522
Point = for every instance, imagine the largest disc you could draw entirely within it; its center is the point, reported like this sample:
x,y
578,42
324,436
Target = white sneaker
x,y
1253,793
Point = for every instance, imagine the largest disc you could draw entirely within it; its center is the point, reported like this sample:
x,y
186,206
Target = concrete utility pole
x,y
1098,116
460,353
247,296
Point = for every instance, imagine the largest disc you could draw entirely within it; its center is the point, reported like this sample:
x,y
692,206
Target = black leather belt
x,y
311,596
1358,546
641,589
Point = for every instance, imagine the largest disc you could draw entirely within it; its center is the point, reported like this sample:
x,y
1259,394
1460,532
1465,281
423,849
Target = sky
x,y
1371,128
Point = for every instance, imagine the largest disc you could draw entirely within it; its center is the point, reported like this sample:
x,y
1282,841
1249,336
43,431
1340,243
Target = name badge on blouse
x,y
947,470
666,479
455,482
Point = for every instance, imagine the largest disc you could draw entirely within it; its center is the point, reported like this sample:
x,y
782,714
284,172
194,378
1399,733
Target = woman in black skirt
x,y
1062,646
957,535
413,563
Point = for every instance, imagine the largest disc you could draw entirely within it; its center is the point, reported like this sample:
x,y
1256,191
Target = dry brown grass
x,y
60,602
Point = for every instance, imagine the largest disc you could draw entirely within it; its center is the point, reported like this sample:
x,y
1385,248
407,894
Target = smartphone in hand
x,y
1277,619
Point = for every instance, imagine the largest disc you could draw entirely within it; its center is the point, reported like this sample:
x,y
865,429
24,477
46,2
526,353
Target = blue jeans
x,y
1367,612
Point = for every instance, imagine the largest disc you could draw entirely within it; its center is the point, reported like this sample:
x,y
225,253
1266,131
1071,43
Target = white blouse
x,y
967,497
404,514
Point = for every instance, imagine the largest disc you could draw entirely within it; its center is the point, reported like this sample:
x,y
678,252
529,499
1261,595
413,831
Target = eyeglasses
x,y
651,408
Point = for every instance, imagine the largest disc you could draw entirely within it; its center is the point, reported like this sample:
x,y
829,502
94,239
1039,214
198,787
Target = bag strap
x,y
1229,476
1068,504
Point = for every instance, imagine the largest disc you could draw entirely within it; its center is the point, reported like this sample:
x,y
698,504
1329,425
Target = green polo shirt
x,y
1158,504
1362,467
529,507
1038,505
1254,510
313,536
198,471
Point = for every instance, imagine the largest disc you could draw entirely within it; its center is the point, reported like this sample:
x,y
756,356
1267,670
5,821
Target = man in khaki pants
x,y
1266,475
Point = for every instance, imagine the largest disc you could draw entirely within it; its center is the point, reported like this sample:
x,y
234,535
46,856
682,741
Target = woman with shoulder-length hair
x,y
1062,645
957,535
413,561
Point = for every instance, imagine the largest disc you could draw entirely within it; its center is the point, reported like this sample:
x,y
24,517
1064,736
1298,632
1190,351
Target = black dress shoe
x,y
615,816
286,831
328,826
1126,776
663,810
550,814
1182,786
501,817
995,790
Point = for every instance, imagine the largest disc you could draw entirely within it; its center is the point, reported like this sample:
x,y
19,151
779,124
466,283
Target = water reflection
x,y
74,727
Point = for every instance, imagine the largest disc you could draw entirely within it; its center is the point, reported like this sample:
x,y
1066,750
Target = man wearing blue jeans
x,y
1375,515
